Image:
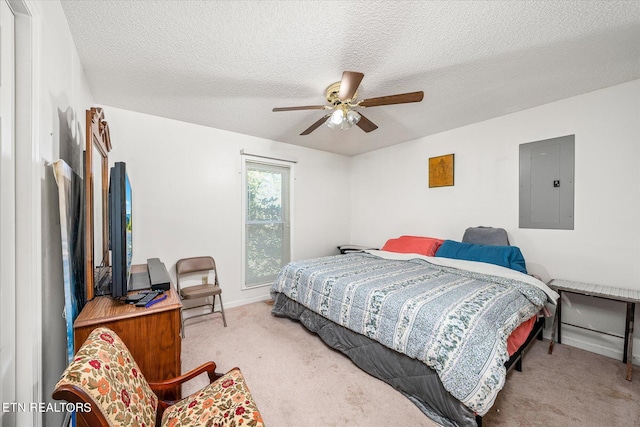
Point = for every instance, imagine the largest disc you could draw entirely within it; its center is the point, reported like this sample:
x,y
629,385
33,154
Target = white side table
x,y
630,296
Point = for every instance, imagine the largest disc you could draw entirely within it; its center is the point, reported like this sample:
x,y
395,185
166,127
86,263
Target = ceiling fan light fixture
x,y
343,118
336,118
353,117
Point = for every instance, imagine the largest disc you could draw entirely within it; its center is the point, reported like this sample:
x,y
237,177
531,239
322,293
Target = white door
x,y
7,210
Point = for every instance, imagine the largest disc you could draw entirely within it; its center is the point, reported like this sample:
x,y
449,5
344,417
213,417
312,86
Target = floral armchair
x,y
108,389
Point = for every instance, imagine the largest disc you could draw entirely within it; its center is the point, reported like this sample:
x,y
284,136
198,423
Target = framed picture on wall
x,y
441,171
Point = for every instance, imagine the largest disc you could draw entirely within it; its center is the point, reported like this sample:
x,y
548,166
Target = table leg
x,y
559,308
628,339
555,324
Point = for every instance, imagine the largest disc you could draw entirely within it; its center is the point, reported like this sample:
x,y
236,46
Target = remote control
x,y
147,298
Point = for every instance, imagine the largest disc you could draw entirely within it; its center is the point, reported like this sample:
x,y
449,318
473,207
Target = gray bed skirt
x,y
409,376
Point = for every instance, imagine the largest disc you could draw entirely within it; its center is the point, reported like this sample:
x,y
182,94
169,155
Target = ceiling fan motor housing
x,y
332,94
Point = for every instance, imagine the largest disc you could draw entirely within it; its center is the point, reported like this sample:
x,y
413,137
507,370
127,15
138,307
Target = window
x,y
267,241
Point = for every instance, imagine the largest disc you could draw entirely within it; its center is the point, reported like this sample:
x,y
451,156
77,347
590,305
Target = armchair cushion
x,y
225,402
105,371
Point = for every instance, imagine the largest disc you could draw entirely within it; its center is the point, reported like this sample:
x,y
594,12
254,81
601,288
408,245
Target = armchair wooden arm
x,y
75,394
209,368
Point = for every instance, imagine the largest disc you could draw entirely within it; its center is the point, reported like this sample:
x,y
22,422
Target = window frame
x,y
247,161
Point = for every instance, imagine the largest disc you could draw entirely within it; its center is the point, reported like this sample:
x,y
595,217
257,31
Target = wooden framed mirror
x,y
99,139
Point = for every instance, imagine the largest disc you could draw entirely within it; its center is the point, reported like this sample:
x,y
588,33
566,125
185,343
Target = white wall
x,y
187,194
390,197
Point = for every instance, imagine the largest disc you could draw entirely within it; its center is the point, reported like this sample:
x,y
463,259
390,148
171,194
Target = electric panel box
x,y
547,183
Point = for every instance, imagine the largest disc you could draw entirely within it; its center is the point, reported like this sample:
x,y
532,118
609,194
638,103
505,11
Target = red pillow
x,y
413,245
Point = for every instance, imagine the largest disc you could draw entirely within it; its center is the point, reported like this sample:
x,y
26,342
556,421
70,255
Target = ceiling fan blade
x,y
305,107
366,124
316,125
349,85
402,98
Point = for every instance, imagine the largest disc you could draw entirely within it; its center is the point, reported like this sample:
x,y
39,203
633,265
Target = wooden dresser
x,y
151,334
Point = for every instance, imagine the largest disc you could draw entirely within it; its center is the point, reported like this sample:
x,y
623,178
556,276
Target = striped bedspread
x,y
455,320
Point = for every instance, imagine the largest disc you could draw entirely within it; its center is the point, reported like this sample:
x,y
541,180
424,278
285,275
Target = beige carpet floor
x,y
297,380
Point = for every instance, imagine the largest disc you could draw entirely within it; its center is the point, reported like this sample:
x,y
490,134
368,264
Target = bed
x,y
436,328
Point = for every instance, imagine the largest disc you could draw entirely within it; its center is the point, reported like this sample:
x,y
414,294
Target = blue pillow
x,y
506,256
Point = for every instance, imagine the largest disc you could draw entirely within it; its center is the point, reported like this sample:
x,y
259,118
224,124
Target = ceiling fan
x,y
342,97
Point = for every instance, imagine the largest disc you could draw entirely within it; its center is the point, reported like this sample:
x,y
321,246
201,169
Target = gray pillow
x,y
486,236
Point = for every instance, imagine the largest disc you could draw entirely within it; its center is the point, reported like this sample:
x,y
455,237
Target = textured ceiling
x,y
226,64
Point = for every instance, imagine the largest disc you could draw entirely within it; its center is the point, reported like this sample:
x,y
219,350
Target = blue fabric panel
x,y
506,256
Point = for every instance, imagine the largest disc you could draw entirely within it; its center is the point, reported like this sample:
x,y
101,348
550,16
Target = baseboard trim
x,y
227,305
597,344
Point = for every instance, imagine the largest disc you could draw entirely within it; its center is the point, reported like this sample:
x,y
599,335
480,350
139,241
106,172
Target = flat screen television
x,y
120,229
